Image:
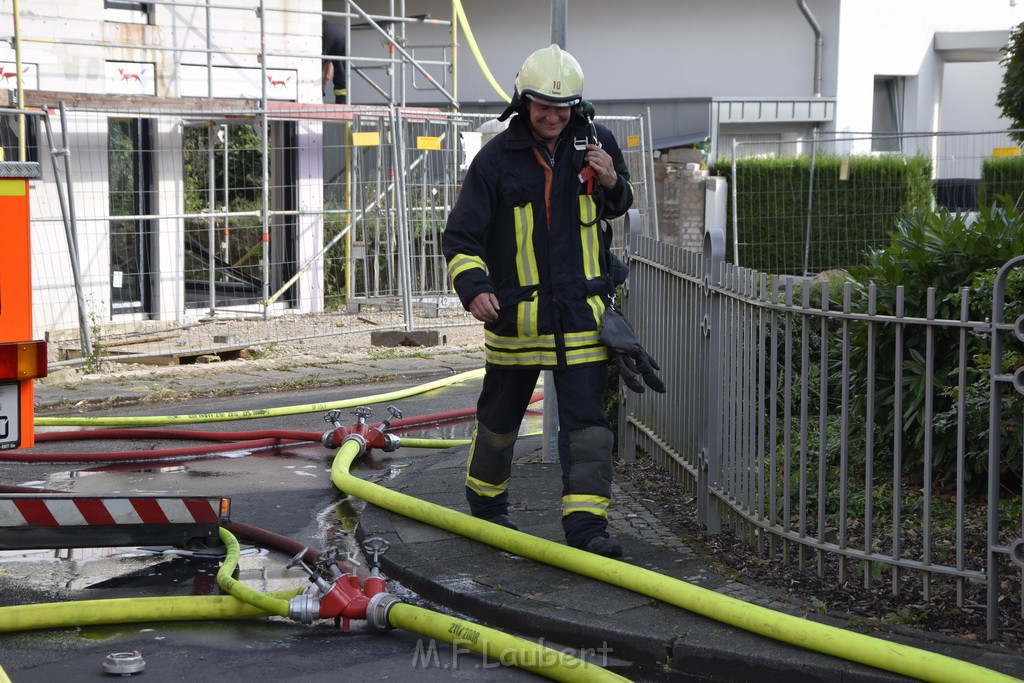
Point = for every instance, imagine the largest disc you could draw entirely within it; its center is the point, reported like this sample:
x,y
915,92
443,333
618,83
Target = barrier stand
x,y
21,360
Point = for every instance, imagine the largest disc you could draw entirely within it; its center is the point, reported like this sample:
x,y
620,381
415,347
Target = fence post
x,y
716,199
995,446
709,461
632,226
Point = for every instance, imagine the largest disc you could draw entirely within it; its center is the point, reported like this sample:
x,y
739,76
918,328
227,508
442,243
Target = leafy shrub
x,y
855,203
945,251
976,393
1001,176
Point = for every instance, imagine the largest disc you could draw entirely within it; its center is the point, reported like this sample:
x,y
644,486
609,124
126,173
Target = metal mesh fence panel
x,y
810,205
183,219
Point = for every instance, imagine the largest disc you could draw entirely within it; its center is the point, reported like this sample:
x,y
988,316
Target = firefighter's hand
x,y
603,166
484,307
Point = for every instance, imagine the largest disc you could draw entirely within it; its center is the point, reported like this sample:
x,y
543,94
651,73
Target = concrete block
x,y
403,338
684,155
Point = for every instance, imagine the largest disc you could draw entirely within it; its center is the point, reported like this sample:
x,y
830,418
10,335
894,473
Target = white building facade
x,y
702,71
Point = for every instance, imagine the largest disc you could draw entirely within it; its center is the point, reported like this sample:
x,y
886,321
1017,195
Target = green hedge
x,y
855,204
1001,176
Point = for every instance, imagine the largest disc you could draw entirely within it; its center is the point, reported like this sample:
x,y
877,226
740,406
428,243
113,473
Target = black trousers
x,y
502,403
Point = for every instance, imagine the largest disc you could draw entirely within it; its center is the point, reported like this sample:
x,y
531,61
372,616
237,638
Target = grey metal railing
x,y
776,422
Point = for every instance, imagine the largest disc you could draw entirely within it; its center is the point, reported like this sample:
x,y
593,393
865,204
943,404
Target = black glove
x,y
633,361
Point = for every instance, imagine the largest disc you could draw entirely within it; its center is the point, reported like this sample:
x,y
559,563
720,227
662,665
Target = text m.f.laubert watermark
x,y
429,654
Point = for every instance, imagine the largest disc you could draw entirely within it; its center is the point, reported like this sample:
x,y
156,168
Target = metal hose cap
x,y
124,663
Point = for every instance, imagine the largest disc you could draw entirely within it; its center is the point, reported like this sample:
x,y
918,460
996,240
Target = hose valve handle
x,y
333,417
374,548
297,561
362,413
396,414
327,566
314,578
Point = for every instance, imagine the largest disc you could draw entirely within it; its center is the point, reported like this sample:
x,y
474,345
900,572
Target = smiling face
x,y
547,121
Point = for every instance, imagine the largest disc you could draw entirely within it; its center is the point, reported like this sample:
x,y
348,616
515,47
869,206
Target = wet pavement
x,y
603,623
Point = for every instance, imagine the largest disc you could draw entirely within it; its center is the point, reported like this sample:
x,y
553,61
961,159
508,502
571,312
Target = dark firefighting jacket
x,y
526,228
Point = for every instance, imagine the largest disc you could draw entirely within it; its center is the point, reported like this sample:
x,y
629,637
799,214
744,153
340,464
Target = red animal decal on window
x,y
8,75
277,83
128,77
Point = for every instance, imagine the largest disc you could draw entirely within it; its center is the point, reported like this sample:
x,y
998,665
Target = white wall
x,y
49,28
673,49
641,50
882,37
969,97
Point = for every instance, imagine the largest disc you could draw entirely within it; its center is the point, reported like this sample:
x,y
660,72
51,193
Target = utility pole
x,y
559,22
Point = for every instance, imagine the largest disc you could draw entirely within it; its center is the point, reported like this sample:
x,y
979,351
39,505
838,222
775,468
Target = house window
x,y
125,12
887,114
9,142
129,156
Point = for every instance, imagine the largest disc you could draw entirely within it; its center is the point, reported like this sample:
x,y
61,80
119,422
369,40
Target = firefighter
x,y
527,251
334,46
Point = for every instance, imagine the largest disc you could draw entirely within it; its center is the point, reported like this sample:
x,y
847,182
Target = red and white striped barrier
x,y
69,521
39,511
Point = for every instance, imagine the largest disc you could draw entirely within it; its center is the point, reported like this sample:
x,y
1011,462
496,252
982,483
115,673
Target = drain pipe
x,y
818,42
830,640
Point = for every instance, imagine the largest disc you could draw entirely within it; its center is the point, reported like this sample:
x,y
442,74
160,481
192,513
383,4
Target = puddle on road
x,y
156,569
533,423
165,570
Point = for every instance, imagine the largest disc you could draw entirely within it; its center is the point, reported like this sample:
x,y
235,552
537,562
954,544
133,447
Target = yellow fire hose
x,y
152,420
856,647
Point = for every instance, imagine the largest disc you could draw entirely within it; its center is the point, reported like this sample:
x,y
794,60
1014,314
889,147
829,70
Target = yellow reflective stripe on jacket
x,y
595,505
542,358
544,340
597,305
590,240
463,262
590,355
546,358
590,237
573,340
580,348
526,269
485,489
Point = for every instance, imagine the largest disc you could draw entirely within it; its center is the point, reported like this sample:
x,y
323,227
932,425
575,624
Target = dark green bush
x,y
944,251
1001,176
976,414
855,203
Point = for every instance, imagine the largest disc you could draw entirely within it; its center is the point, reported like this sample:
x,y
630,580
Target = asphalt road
x,y
287,491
